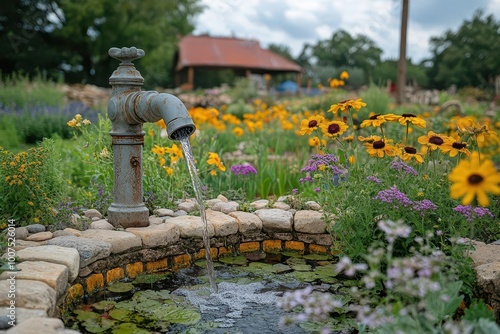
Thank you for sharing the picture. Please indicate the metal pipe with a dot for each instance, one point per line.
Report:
(128, 109)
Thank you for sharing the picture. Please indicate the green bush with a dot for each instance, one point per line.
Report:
(31, 184)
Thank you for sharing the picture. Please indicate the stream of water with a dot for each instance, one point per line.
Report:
(186, 147)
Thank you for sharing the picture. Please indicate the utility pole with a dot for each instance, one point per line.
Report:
(401, 81)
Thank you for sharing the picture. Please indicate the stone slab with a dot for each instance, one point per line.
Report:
(120, 241)
(156, 235)
(30, 294)
(90, 250)
(223, 224)
(66, 256)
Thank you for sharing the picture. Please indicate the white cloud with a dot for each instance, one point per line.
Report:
(296, 22)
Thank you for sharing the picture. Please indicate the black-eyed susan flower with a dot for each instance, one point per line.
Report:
(344, 106)
(238, 131)
(213, 159)
(333, 129)
(158, 150)
(344, 75)
(409, 153)
(453, 147)
(473, 179)
(379, 148)
(369, 139)
(391, 117)
(406, 119)
(432, 140)
(175, 153)
(308, 126)
(374, 120)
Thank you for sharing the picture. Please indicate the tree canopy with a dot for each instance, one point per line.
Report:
(72, 37)
(467, 57)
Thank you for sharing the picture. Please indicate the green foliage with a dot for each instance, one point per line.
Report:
(466, 57)
(388, 70)
(377, 101)
(18, 90)
(243, 89)
(78, 41)
(31, 184)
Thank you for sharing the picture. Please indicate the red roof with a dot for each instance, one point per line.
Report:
(206, 51)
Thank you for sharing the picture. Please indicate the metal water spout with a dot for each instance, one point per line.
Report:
(128, 108)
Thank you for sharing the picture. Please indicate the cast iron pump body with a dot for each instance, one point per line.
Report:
(128, 108)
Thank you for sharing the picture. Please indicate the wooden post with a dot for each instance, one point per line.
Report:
(400, 85)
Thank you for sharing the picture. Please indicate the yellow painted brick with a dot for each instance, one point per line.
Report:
(75, 292)
(181, 261)
(201, 253)
(271, 246)
(114, 275)
(248, 247)
(317, 249)
(296, 246)
(226, 250)
(154, 266)
(134, 269)
(94, 282)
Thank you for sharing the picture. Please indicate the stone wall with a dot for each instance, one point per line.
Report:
(59, 268)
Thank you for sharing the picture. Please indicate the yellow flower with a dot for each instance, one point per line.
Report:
(36, 220)
(344, 106)
(315, 141)
(78, 117)
(162, 161)
(72, 123)
(374, 120)
(379, 148)
(432, 140)
(472, 179)
(86, 122)
(104, 153)
(369, 139)
(308, 126)
(158, 150)
(175, 152)
(213, 172)
(169, 170)
(30, 203)
(352, 159)
(413, 119)
(238, 131)
(213, 159)
(453, 147)
(344, 75)
(151, 132)
(333, 129)
(161, 124)
(408, 153)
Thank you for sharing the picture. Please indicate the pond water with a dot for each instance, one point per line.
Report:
(249, 287)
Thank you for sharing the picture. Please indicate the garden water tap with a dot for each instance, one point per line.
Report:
(128, 108)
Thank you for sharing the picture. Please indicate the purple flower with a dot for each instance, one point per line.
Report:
(424, 205)
(294, 191)
(327, 160)
(403, 167)
(374, 179)
(317, 190)
(244, 169)
(394, 196)
(470, 213)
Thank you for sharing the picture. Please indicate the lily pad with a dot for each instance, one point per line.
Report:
(104, 305)
(317, 257)
(129, 328)
(120, 287)
(234, 260)
(292, 254)
(326, 271)
(281, 268)
(98, 325)
(150, 278)
(305, 276)
(176, 315)
(85, 315)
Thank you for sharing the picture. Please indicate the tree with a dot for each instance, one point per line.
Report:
(282, 50)
(82, 32)
(467, 57)
(344, 50)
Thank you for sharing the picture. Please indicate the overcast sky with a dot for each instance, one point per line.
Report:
(296, 22)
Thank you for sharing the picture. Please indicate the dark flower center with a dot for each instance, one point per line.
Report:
(333, 128)
(410, 150)
(312, 123)
(378, 144)
(475, 179)
(436, 140)
(409, 115)
(375, 116)
(458, 145)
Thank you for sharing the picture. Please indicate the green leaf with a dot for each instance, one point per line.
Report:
(129, 328)
(120, 287)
